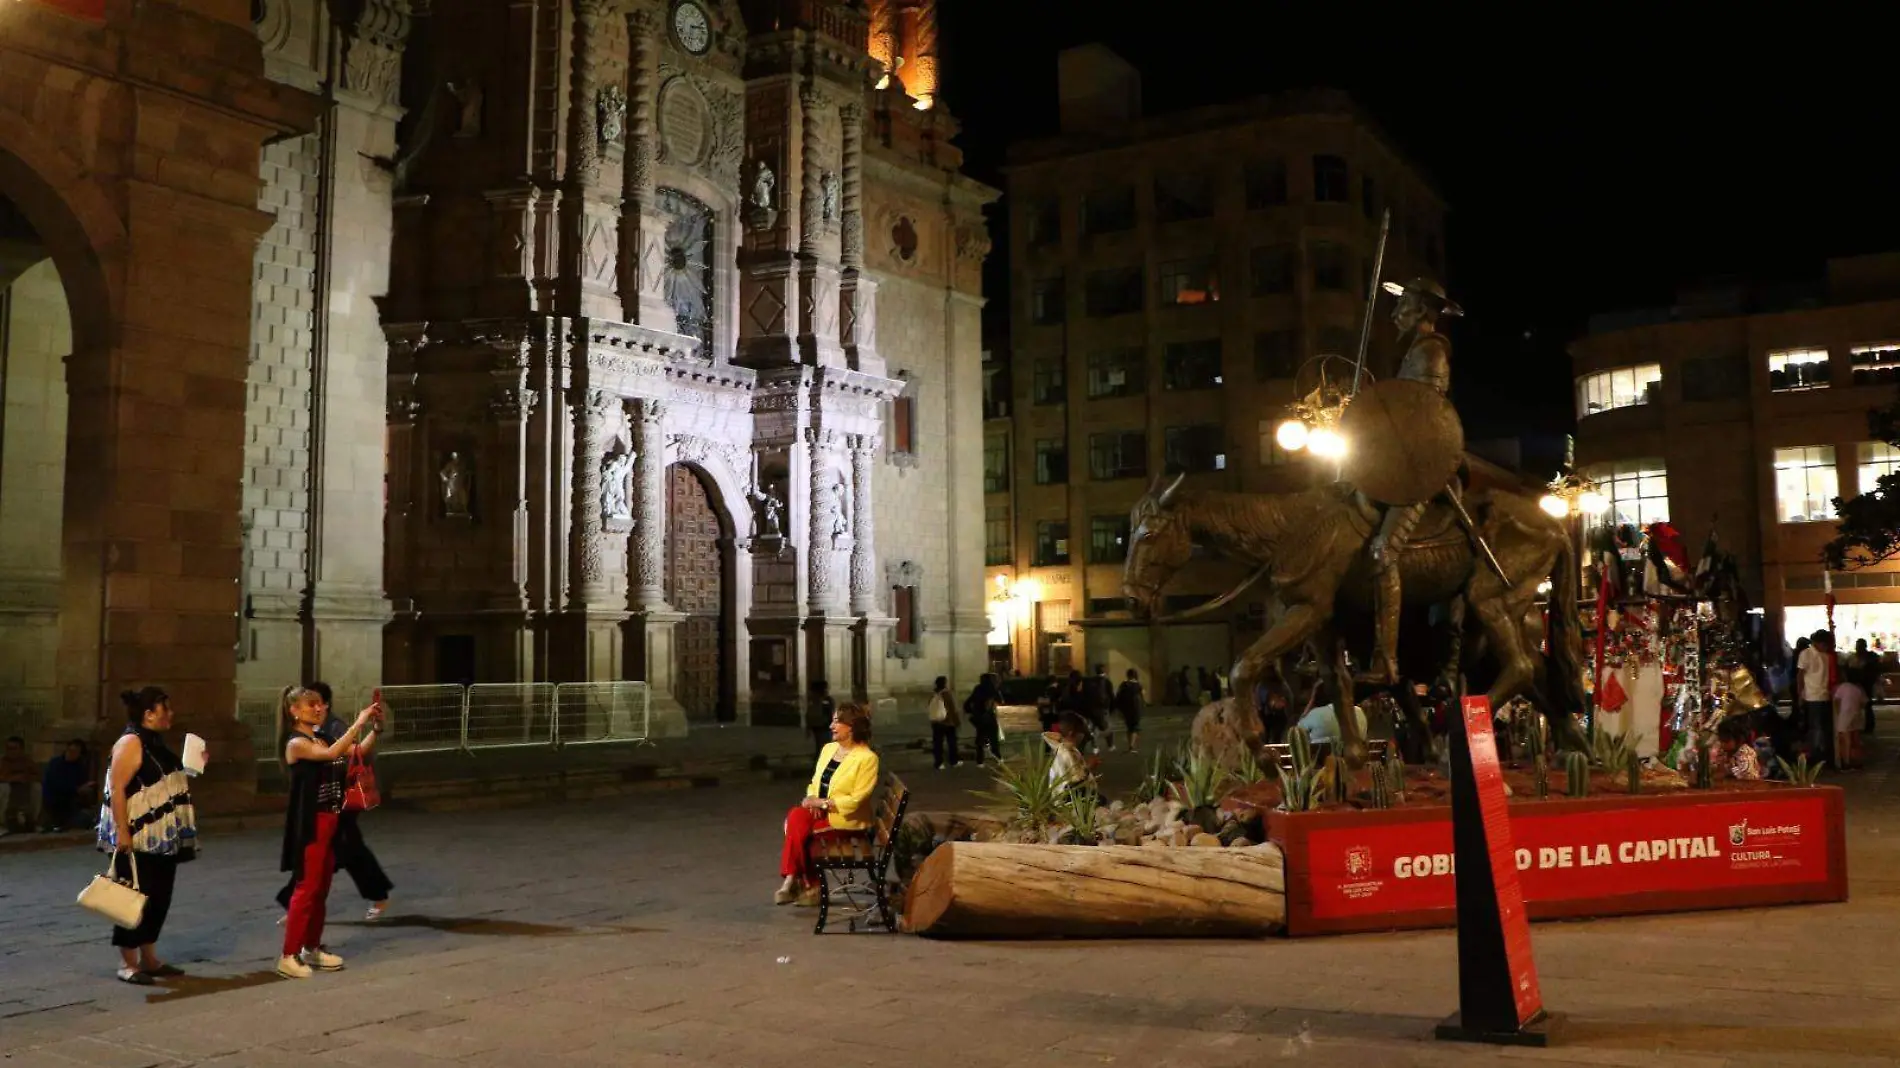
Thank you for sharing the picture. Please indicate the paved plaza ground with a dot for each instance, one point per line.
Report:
(637, 932)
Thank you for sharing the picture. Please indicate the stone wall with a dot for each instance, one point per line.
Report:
(277, 418)
(35, 336)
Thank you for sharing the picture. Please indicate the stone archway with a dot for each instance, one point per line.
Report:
(699, 585)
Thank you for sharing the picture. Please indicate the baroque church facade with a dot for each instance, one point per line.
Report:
(582, 340)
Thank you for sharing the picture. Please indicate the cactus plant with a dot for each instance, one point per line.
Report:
(1577, 772)
(1534, 733)
(1337, 778)
(1540, 775)
(1298, 790)
(1302, 745)
(1633, 764)
(1395, 774)
(1381, 789)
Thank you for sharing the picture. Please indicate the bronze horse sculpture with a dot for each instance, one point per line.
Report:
(1309, 548)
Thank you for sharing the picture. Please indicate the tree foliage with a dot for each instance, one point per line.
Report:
(1870, 523)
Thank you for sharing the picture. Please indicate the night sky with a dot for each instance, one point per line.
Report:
(1591, 179)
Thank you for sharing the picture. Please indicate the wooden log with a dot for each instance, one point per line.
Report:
(996, 890)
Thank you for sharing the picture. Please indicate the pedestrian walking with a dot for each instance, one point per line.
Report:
(944, 721)
(980, 709)
(1098, 694)
(318, 767)
(146, 820)
(1130, 702)
(353, 854)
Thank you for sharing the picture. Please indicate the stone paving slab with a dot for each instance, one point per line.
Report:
(636, 931)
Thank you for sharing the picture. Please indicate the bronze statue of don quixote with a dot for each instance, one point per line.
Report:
(1395, 539)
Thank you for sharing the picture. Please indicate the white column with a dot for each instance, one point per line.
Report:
(649, 504)
(863, 550)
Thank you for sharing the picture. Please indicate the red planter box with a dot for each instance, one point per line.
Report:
(1383, 870)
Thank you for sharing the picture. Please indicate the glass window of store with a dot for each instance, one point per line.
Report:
(1621, 387)
(1638, 490)
(1805, 483)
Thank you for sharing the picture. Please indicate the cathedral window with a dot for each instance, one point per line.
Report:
(687, 270)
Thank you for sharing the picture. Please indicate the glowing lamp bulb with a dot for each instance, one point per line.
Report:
(1592, 503)
(1554, 506)
(1291, 435)
(1326, 442)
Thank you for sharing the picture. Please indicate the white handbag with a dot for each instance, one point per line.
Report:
(122, 904)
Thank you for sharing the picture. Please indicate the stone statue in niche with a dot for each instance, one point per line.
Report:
(616, 477)
(468, 115)
(828, 188)
(760, 206)
(454, 477)
(610, 104)
(840, 517)
(770, 510)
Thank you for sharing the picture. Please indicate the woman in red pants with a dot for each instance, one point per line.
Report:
(838, 798)
(318, 766)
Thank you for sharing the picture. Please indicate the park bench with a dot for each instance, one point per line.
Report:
(855, 865)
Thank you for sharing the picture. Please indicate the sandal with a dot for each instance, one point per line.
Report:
(164, 971)
(133, 976)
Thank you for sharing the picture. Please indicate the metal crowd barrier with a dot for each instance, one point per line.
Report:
(591, 713)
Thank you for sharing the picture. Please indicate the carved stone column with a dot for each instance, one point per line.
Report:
(863, 548)
(649, 504)
(589, 246)
(642, 231)
(857, 293)
(818, 340)
(821, 593)
(652, 648)
(592, 587)
(513, 407)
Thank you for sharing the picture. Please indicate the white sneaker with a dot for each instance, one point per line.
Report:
(323, 960)
(292, 968)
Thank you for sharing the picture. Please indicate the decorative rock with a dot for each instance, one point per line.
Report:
(1205, 840)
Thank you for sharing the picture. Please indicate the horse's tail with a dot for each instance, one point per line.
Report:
(1566, 630)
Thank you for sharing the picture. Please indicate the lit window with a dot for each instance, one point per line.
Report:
(1624, 387)
(1190, 282)
(1117, 373)
(1638, 491)
(1876, 458)
(1108, 539)
(1876, 363)
(996, 548)
(1797, 369)
(1052, 543)
(995, 464)
(1806, 483)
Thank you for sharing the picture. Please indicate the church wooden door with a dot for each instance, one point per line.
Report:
(694, 586)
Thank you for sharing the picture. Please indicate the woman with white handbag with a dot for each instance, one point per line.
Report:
(147, 821)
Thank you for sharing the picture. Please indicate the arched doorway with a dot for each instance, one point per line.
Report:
(698, 570)
(35, 339)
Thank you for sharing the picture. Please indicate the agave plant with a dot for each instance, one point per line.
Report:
(1023, 785)
(1203, 782)
(1249, 770)
(1155, 783)
(1613, 750)
(1801, 773)
(1082, 811)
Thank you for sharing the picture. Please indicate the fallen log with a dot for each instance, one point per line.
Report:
(996, 890)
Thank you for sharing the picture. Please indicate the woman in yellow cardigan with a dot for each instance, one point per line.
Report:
(838, 798)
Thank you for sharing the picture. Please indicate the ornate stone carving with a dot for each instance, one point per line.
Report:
(467, 94)
(973, 242)
(863, 552)
(828, 189)
(373, 49)
(649, 502)
(768, 506)
(694, 449)
(616, 476)
(513, 403)
(761, 205)
(687, 267)
(728, 144)
(610, 106)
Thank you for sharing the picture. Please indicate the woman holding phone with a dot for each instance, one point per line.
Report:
(319, 767)
(352, 853)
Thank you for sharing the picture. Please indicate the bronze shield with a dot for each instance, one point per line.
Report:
(1404, 442)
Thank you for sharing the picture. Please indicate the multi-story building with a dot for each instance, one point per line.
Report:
(1170, 277)
(1747, 410)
